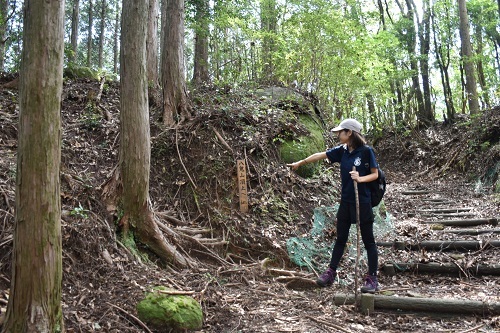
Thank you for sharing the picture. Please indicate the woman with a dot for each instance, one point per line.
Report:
(349, 154)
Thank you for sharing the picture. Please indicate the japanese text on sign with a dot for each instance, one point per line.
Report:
(242, 185)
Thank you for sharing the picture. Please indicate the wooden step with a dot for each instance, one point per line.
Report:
(457, 245)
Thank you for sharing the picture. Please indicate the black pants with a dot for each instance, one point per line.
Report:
(347, 216)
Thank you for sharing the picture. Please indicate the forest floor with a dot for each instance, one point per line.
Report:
(243, 274)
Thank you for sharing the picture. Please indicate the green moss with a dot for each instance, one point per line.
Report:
(74, 72)
(170, 311)
(304, 146)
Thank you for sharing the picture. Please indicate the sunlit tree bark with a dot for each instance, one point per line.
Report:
(467, 58)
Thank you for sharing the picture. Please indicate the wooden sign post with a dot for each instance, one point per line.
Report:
(242, 185)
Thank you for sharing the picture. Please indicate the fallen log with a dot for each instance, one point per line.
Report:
(437, 268)
(472, 232)
(456, 306)
(440, 245)
(464, 222)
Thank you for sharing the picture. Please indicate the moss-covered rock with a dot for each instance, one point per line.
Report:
(301, 147)
(175, 312)
(80, 72)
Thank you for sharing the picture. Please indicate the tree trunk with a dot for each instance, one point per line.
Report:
(89, 32)
(411, 48)
(200, 72)
(102, 33)
(424, 31)
(4, 7)
(74, 29)
(152, 44)
(480, 69)
(175, 98)
(35, 298)
(269, 22)
(443, 61)
(470, 76)
(115, 40)
(135, 148)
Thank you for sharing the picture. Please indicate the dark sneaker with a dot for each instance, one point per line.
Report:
(326, 279)
(371, 285)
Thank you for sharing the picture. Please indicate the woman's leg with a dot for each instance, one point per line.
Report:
(366, 228)
(344, 220)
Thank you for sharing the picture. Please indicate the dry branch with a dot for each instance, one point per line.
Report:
(337, 327)
(180, 158)
(132, 316)
(221, 139)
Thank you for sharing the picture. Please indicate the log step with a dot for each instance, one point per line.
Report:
(448, 215)
(440, 245)
(415, 192)
(437, 268)
(436, 201)
(444, 210)
(464, 222)
(420, 304)
(472, 232)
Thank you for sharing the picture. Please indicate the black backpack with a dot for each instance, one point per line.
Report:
(377, 187)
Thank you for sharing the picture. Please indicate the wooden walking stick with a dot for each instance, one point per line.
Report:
(357, 240)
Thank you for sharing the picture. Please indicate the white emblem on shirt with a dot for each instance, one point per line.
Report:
(357, 161)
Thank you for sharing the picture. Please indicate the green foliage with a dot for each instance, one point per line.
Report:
(339, 51)
(91, 119)
(79, 212)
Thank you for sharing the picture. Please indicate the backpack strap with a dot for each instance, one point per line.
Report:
(365, 157)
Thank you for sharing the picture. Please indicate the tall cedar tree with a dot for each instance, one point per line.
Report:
(175, 98)
(135, 148)
(470, 76)
(152, 44)
(75, 20)
(35, 301)
(200, 71)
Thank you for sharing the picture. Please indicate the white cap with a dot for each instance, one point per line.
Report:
(350, 124)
